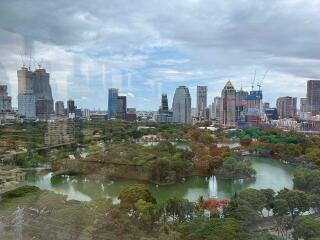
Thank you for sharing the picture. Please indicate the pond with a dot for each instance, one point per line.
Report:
(270, 174)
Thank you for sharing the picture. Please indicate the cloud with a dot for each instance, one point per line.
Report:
(146, 47)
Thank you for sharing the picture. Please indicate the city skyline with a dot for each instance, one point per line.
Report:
(89, 48)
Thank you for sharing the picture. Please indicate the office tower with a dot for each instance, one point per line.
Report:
(164, 115)
(181, 105)
(313, 96)
(86, 113)
(303, 105)
(71, 108)
(5, 100)
(26, 98)
(287, 107)
(35, 83)
(164, 103)
(254, 100)
(43, 93)
(25, 80)
(122, 107)
(131, 115)
(59, 108)
(228, 105)
(216, 108)
(207, 114)
(201, 101)
(240, 104)
(27, 105)
(112, 102)
(271, 113)
(266, 105)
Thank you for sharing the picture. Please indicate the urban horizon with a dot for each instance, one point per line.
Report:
(87, 50)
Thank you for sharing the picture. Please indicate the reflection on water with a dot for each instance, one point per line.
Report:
(270, 174)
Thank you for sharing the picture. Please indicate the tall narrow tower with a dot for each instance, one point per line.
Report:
(201, 101)
(228, 105)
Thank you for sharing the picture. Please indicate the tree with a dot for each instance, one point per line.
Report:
(306, 228)
(255, 198)
(179, 209)
(147, 212)
(269, 196)
(132, 194)
(296, 200)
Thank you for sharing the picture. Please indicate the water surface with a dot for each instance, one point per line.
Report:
(270, 174)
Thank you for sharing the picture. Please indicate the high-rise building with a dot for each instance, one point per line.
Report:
(271, 113)
(164, 103)
(27, 105)
(43, 93)
(287, 107)
(26, 98)
(25, 80)
(59, 108)
(313, 96)
(131, 115)
(240, 104)
(112, 102)
(71, 108)
(86, 113)
(164, 115)
(266, 105)
(122, 107)
(254, 100)
(216, 108)
(228, 105)
(201, 101)
(303, 105)
(181, 105)
(5, 100)
(36, 83)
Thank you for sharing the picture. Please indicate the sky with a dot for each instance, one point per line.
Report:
(146, 48)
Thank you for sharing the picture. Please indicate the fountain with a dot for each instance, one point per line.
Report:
(213, 187)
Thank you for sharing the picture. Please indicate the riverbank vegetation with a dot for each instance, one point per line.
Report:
(290, 146)
(138, 216)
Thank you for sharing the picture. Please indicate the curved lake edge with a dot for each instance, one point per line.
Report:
(270, 174)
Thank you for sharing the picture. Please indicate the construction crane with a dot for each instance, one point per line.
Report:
(259, 84)
(254, 79)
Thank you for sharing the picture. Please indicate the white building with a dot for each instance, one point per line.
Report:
(181, 105)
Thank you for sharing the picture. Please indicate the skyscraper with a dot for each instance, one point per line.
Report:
(122, 107)
(240, 104)
(303, 105)
(313, 96)
(26, 98)
(27, 105)
(287, 107)
(43, 93)
(71, 108)
(112, 102)
(59, 108)
(164, 115)
(228, 105)
(216, 108)
(201, 101)
(35, 83)
(181, 105)
(5, 100)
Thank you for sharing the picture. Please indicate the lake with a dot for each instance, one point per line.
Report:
(270, 174)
